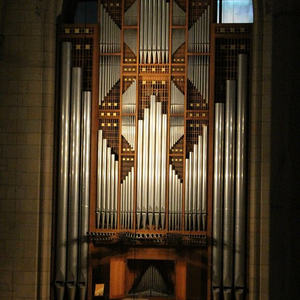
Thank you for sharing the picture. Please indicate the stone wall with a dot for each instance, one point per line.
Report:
(27, 59)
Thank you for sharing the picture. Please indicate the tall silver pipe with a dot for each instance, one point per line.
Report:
(146, 17)
(199, 182)
(74, 187)
(208, 29)
(142, 31)
(154, 31)
(132, 194)
(116, 193)
(170, 196)
(145, 166)
(158, 155)
(104, 178)
(175, 195)
(99, 178)
(163, 169)
(85, 194)
(204, 176)
(108, 185)
(191, 159)
(218, 199)
(163, 30)
(151, 158)
(112, 193)
(240, 185)
(195, 173)
(62, 195)
(150, 32)
(167, 31)
(229, 183)
(159, 36)
(139, 173)
(186, 194)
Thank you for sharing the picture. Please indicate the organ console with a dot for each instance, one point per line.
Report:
(151, 193)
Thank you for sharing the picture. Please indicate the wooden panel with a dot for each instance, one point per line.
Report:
(180, 280)
(117, 277)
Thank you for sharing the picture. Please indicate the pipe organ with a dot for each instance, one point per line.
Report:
(151, 192)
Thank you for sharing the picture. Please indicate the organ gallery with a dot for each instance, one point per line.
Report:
(152, 161)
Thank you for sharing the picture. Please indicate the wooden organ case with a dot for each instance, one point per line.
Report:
(155, 71)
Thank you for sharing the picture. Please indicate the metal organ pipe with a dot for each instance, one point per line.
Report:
(109, 75)
(196, 184)
(218, 200)
(109, 33)
(198, 74)
(229, 185)
(61, 233)
(199, 33)
(74, 182)
(151, 164)
(107, 179)
(240, 186)
(84, 197)
(204, 176)
(154, 31)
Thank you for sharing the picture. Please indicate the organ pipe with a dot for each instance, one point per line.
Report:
(218, 200)
(204, 176)
(63, 178)
(229, 184)
(151, 165)
(109, 75)
(240, 186)
(84, 197)
(196, 184)
(177, 100)
(139, 174)
(127, 200)
(74, 187)
(109, 33)
(198, 75)
(199, 33)
(107, 182)
(154, 31)
(129, 99)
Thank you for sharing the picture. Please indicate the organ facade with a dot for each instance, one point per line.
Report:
(151, 193)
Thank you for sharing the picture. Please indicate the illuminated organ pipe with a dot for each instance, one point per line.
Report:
(198, 74)
(218, 200)
(107, 182)
(199, 33)
(176, 130)
(229, 203)
(63, 174)
(151, 166)
(109, 75)
(175, 200)
(240, 186)
(109, 32)
(177, 100)
(129, 99)
(128, 130)
(74, 180)
(178, 14)
(196, 184)
(229, 186)
(84, 194)
(127, 198)
(154, 31)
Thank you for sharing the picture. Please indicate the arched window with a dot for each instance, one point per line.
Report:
(235, 11)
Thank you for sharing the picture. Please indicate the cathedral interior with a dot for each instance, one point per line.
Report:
(149, 149)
